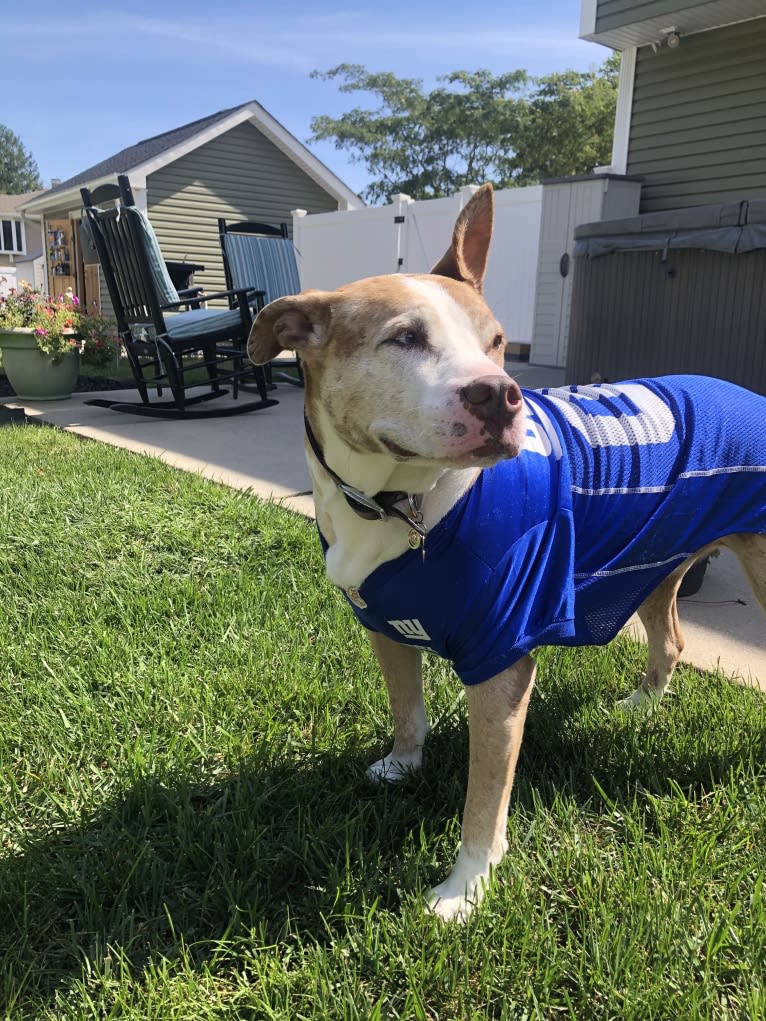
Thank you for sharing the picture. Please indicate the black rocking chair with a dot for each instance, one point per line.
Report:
(165, 346)
(261, 256)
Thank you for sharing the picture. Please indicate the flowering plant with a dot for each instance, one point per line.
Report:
(98, 338)
(52, 320)
(59, 324)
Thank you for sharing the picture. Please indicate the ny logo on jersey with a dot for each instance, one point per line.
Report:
(412, 629)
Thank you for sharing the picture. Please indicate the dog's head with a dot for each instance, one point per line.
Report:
(407, 365)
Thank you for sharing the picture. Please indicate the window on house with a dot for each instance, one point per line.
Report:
(12, 236)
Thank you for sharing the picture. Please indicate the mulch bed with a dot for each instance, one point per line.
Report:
(85, 384)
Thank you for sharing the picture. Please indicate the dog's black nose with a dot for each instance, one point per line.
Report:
(492, 398)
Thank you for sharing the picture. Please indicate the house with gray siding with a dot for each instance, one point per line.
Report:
(692, 94)
(239, 164)
(679, 287)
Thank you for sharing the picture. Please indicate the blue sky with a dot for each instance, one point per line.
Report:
(83, 80)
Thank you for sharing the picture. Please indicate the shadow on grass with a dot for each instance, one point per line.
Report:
(292, 845)
(272, 848)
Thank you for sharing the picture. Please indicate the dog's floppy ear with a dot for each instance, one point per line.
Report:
(291, 323)
(466, 259)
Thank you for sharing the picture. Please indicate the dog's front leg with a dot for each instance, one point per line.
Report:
(402, 672)
(497, 709)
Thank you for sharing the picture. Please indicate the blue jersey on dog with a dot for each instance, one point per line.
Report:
(616, 486)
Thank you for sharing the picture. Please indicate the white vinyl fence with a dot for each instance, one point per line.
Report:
(410, 237)
(30, 270)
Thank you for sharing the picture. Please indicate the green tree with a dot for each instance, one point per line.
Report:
(473, 127)
(424, 144)
(18, 170)
(566, 125)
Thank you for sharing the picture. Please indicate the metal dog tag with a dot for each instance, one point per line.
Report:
(415, 539)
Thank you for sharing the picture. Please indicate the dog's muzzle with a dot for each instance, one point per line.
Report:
(494, 400)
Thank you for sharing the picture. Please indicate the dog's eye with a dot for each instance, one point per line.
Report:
(414, 337)
(498, 341)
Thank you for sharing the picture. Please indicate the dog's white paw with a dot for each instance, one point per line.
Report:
(393, 768)
(464, 888)
(450, 905)
(642, 699)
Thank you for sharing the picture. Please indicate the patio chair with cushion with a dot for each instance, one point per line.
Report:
(117, 194)
(261, 256)
(170, 340)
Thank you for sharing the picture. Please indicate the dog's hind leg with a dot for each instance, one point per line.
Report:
(665, 640)
(659, 614)
(402, 671)
(750, 550)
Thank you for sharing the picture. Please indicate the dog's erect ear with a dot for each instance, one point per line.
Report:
(466, 259)
(292, 323)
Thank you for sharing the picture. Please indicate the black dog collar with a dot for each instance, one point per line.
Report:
(371, 508)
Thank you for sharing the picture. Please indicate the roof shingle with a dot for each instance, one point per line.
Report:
(134, 155)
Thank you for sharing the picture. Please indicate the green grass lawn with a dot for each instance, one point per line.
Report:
(186, 712)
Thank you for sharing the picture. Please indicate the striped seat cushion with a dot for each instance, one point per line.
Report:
(267, 264)
(202, 322)
(166, 292)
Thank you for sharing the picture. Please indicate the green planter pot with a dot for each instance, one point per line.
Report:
(33, 375)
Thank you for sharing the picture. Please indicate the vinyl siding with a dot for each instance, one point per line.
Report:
(623, 23)
(698, 131)
(240, 176)
(617, 13)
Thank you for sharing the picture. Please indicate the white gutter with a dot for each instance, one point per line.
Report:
(588, 11)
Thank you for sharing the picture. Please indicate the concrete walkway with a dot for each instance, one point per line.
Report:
(263, 452)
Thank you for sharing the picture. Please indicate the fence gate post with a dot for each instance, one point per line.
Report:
(399, 204)
(298, 215)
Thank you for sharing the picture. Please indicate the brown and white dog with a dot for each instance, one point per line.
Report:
(406, 397)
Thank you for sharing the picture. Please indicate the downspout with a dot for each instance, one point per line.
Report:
(624, 111)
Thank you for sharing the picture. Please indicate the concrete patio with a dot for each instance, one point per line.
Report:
(263, 452)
